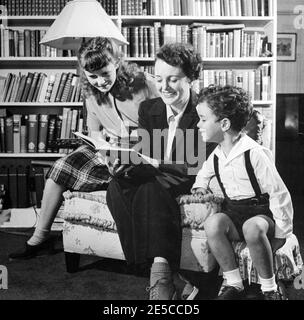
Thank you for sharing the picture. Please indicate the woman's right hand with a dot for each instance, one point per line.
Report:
(202, 191)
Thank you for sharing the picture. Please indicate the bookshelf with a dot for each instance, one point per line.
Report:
(154, 22)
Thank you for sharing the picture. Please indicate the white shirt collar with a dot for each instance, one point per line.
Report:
(245, 143)
(170, 113)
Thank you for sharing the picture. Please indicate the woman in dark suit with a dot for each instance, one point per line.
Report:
(143, 203)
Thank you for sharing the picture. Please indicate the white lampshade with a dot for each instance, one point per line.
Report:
(81, 19)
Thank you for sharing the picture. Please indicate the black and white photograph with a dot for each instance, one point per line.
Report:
(286, 46)
(150, 150)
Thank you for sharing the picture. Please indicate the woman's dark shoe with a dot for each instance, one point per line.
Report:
(272, 295)
(230, 293)
(28, 252)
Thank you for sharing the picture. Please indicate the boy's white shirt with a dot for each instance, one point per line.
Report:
(237, 185)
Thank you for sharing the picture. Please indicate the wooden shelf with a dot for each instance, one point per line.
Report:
(41, 104)
(38, 62)
(129, 19)
(262, 103)
(248, 21)
(139, 59)
(32, 155)
(34, 20)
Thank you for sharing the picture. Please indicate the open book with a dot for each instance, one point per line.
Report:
(103, 145)
(100, 144)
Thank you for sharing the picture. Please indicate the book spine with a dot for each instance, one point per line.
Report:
(32, 133)
(61, 86)
(49, 88)
(42, 132)
(27, 86)
(13, 188)
(9, 140)
(51, 135)
(16, 132)
(2, 134)
(23, 135)
(23, 186)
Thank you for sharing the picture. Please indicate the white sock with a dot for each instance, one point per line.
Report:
(160, 259)
(268, 284)
(38, 237)
(234, 279)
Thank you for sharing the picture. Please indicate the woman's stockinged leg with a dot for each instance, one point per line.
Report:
(51, 202)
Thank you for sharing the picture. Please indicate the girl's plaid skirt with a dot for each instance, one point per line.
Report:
(82, 170)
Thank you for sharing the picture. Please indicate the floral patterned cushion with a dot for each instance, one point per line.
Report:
(91, 209)
(287, 263)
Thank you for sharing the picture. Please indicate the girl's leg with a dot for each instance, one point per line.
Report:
(51, 202)
(38, 243)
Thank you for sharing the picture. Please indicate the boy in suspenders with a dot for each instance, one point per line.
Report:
(257, 206)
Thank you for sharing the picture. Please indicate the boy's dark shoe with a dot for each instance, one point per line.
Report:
(28, 252)
(272, 295)
(230, 293)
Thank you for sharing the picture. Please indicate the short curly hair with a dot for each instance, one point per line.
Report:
(97, 53)
(183, 56)
(228, 102)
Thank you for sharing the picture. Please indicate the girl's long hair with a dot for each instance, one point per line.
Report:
(98, 53)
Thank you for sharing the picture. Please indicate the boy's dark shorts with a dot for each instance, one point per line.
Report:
(239, 211)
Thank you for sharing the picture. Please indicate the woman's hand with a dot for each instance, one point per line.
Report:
(115, 168)
(277, 243)
(151, 161)
(202, 191)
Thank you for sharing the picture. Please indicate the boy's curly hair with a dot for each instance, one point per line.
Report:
(228, 102)
(183, 56)
(98, 53)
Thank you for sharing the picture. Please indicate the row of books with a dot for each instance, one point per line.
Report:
(40, 87)
(48, 7)
(210, 40)
(257, 82)
(16, 182)
(33, 7)
(149, 7)
(24, 182)
(36, 133)
(233, 41)
(25, 43)
(197, 7)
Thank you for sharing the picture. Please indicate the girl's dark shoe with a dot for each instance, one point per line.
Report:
(28, 252)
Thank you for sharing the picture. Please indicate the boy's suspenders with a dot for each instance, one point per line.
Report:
(250, 172)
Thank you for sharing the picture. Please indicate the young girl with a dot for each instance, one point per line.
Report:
(257, 206)
(113, 91)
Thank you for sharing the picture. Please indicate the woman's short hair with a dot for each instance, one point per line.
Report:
(183, 56)
(228, 102)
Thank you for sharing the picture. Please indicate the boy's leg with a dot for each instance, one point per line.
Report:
(257, 231)
(221, 231)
